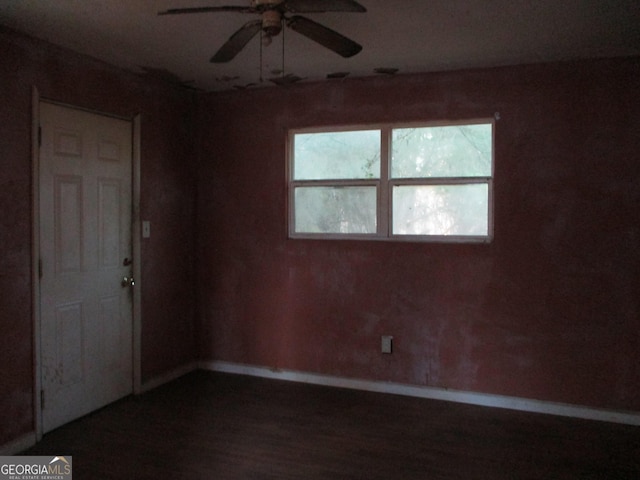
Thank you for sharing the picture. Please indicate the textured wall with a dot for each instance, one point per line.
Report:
(549, 310)
(167, 201)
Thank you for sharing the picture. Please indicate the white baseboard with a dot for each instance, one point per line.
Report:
(480, 399)
(18, 445)
(168, 377)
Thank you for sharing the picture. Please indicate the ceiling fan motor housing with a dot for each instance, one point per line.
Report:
(271, 22)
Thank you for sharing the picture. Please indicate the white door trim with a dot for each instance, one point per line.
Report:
(36, 99)
(35, 259)
(136, 232)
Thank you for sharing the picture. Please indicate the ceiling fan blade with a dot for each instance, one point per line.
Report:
(174, 11)
(318, 6)
(237, 41)
(324, 36)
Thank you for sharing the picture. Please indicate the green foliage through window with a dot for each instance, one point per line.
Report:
(416, 182)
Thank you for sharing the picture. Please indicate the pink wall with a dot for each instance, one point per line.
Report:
(549, 310)
(167, 201)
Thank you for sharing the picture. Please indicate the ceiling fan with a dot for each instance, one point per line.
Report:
(273, 14)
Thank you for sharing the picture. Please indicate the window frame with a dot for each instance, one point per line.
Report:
(385, 184)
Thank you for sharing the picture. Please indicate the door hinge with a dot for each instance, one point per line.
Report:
(40, 268)
(39, 136)
(42, 399)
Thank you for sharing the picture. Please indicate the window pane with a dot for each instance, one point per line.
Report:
(335, 210)
(337, 155)
(441, 209)
(451, 151)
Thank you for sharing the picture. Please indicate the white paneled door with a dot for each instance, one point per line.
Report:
(85, 254)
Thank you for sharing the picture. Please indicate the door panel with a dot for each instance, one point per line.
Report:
(67, 204)
(85, 235)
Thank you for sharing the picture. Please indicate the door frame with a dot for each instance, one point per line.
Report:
(136, 230)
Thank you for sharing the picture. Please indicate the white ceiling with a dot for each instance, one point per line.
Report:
(410, 35)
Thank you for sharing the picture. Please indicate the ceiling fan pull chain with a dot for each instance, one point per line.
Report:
(283, 30)
(261, 47)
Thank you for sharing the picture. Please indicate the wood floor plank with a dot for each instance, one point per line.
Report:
(210, 425)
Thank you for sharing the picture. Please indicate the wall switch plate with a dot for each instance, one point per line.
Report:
(146, 229)
(387, 344)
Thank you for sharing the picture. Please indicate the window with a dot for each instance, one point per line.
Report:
(401, 182)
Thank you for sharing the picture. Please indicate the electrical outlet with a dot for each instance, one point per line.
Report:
(387, 344)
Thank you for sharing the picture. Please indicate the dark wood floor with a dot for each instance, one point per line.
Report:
(217, 426)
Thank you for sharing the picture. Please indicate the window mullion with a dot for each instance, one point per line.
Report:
(438, 181)
(384, 197)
